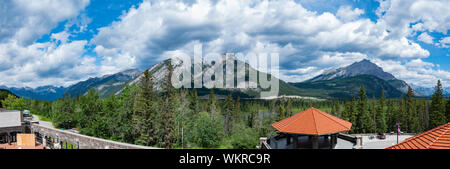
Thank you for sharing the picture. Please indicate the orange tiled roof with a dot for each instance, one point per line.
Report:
(313, 122)
(437, 138)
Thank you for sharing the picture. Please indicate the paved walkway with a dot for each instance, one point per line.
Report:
(43, 123)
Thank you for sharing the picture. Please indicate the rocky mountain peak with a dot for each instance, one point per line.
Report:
(131, 72)
(363, 67)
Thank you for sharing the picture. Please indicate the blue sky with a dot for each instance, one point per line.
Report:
(61, 42)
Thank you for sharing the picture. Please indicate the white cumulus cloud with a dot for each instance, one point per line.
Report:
(23, 61)
(304, 38)
(308, 42)
(424, 37)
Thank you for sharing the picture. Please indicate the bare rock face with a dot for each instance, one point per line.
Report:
(160, 70)
(364, 67)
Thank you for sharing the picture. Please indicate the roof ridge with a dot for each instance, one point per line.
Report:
(314, 119)
(322, 113)
(292, 121)
(298, 124)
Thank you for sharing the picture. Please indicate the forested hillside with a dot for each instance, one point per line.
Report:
(346, 88)
(3, 95)
(173, 118)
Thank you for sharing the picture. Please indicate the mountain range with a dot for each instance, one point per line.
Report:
(364, 67)
(159, 71)
(48, 93)
(105, 85)
(428, 91)
(345, 82)
(341, 82)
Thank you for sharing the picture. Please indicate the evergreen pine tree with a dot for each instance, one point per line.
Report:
(211, 105)
(373, 113)
(402, 115)
(237, 110)
(420, 110)
(365, 121)
(412, 116)
(354, 113)
(111, 108)
(289, 108)
(228, 114)
(281, 110)
(347, 113)
(426, 115)
(335, 108)
(90, 105)
(437, 107)
(338, 109)
(183, 117)
(410, 110)
(145, 115)
(390, 112)
(252, 115)
(194, 102)
(272, 107)
(168, 117)
(381, 114)
(126, 128)
(447, 110)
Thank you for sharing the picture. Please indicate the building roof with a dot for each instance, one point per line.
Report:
(312, 122)
(27, 140)
(10, 119)
(437, 138)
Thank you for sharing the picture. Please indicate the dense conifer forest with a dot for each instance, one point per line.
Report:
(178, 118)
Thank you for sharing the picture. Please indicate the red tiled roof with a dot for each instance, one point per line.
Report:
(437, 138)
(313, 122)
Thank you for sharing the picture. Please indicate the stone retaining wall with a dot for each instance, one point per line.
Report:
(81, 141)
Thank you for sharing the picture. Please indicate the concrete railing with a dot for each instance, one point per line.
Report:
(347, 137)
(356, 140)
(79, 140)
